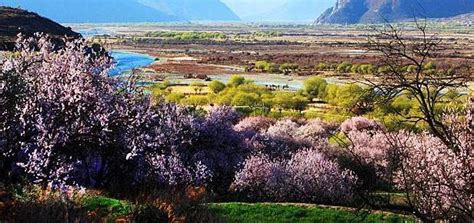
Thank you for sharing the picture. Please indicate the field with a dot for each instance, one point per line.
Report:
(279, 213)
(279, 57)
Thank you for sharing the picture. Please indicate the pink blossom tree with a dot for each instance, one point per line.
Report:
(306, 177)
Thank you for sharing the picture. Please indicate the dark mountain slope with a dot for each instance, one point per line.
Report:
(377, 11)
(14, 21)
(93, 11)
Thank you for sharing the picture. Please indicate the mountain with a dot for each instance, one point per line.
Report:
(14, 21)
(93, 11)
(126, 11)
(202, 10)
(379, 11)
(295, 10)
(279, 10)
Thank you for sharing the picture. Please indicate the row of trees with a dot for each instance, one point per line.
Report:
(240, 92)
(344, 67)
(186, 35)
(268, 67)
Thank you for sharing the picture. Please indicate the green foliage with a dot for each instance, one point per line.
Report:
(315, 87)
(174, 97)
(321, 67)
(344, 67)
(275, 213)
(261, 65)
(245, 99)
(186, 35)
(429, 66)
(289, 101)
(197, 84)
(452, 94)
(384, 70)
(104, 205)
(216, 86)
(411, 68)
(287, 67)
(235, 81)
(195, 100)
(344, 96)
(266, 34)
(265, 66)
(366, 69)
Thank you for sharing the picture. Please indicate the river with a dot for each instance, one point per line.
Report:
(126, 61)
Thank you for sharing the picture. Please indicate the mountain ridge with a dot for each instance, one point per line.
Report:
(210, 10)
(379, 11)
(14, 21)
(124, 11)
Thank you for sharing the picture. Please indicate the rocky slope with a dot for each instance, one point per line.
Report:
(378, 11)
(14, 21)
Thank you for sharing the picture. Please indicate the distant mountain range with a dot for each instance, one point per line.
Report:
(193, 10)
(379, 11)
(14, 21)
(122, 11)
(279, 10)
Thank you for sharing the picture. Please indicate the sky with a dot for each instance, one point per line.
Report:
(248, 9)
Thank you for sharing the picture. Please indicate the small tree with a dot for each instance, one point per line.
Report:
(315, 87)
(216, 86)
(419, 81)
(236, 80)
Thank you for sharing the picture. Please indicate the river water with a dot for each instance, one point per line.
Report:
(126, 61)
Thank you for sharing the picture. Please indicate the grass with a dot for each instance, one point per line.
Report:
(105, 205)
(189, 89)
(279, 213)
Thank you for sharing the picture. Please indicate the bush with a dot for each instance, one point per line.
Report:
(315, 87)
(258, 124)
(216, 86)
(306, 177)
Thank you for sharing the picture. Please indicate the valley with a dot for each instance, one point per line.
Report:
(238, 47)
(236, 111)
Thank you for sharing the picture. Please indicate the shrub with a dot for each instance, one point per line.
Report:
(314, 131)
(256, 124)
(283, 129)
(438, 178)
(216, 86)
(306, 177)
(235, 81)
(315, 87)
(359, 124)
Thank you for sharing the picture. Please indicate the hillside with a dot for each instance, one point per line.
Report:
(378, 11)
(126, 11)
(207, 10)
(14, 21)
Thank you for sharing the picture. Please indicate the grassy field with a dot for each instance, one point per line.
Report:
(279, 213)
(108, 208)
